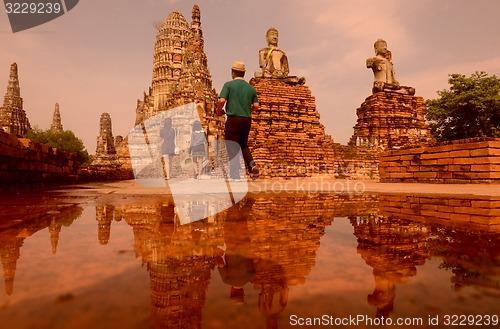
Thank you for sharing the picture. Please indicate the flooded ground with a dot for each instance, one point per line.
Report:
(270, 261)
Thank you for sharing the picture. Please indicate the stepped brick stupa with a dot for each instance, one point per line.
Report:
(287, 138)
(392, 116)
(13, 119)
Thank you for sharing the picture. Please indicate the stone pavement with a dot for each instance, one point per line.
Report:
(289, 186)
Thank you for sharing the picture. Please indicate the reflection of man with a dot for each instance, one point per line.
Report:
(240, 99)
(236, 267)
(272, 60)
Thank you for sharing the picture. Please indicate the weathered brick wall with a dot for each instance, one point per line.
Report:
(475, 160)
(388, 120)
(107, 172)
(25, 161)
(355, 162)
(470, 211)
(287, 138)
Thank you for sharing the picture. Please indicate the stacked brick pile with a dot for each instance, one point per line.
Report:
(287, 138)
(462, 161)
(25, 161)
(480, 212)
(390, 120)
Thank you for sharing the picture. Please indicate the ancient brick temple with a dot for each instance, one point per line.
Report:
(56, 120)
(105, 153)
(180, 72)
(180, 76)
(389, 120)
(13, 119)
(392, 117)
(287, 138)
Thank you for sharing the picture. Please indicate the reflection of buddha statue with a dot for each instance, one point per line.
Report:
(274, 62)
(393, 248)
(383, 71)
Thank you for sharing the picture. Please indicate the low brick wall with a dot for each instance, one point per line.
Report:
(355, 162)
(107, 173)
(466, 211)
(25, 161)
(474, 160)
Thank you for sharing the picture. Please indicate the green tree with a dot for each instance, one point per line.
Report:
(470, 108)
(64, 141)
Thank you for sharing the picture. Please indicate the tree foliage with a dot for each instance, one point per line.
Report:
(64, 141)
(470, 108)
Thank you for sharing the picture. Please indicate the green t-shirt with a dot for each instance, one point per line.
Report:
(240, 96)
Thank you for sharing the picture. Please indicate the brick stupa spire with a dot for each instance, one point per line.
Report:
(105, 153)
(13, 118)
(56, 125)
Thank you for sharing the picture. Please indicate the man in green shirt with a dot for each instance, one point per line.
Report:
(240, 99)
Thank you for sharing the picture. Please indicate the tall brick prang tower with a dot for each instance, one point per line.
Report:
(180, 73)
(13, 118)
(180, 77)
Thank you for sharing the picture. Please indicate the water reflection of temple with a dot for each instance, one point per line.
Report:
(393, 248)
(275, 240)
(179, 258)
(268, 243)
(49, 217)
(286, 233)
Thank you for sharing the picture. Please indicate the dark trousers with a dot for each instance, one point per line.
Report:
(237, 130)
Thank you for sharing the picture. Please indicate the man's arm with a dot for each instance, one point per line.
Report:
(220, 105)
(255, 106)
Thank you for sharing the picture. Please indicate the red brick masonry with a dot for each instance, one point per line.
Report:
(474, 160)
(467, 211)
(25, 161)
